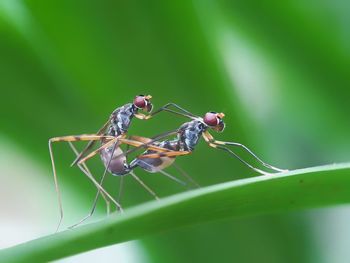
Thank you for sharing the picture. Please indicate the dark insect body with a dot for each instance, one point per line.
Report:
(188, 136)
(159, 153)
(111, 135)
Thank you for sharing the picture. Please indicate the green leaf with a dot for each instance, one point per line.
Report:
(298, 189)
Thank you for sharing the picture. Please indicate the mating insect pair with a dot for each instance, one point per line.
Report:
(160, 152)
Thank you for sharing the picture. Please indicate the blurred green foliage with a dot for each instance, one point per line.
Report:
(279, 70)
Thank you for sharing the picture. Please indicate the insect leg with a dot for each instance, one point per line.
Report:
(137, 144)
(164, 154)
(182, 112)
(144, 185)
(254, 155)
(83, 167)
(212, 140)
(121, 184)
(234, 154)
(147, 140)
(164, 173)
(98, 192)
(185, 174)
(67, 139)
(83, 137)
(145, 145)
(93, 153)
(91, 143)
(56, 185)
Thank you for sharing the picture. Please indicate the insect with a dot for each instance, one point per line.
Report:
(114, 158)
(188, 136)
(161, 154)
(111, 135)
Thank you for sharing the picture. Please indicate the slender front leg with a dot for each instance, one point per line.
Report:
(147, 140)
(164, 154)
(149, 147)
(211, 144)
(93, 153)
(83, 137)
(163, 173)
(212, 140)
(125, 141)
(144, 185)
(71, 138)
(91, 143)
(58, 192)
(101, 183)
(145, 145)
(83, 167)
(185, 174)
(166, 107)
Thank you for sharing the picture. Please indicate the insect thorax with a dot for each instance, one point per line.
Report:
(121, 119)
(119, 124)
(190, 133)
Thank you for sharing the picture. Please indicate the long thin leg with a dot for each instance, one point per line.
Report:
(122, 140)
(147, 140)
(82, 137)
(212, 140)
(105, 172)
(98, 192)
(254, 155)
(120, 193)
(185, 174)
(172, 177)
(121, 182)
(145, 145)
(115, 141)
(83, 167)
(100, 188)
(88, 216)
(149, 147)
(183, 112)
(93, 153)
(91, 143)
(68, 139)
(144, 185)
(235, 155)
(59, 197)
(164, 154)
(178, 107)
(165, 173)
(239, 158)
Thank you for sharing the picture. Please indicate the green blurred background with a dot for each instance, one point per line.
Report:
(278, 70)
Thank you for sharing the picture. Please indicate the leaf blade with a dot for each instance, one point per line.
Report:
(298, 189)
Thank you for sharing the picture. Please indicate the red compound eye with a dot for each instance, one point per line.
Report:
(140, 102)
(211, 119)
